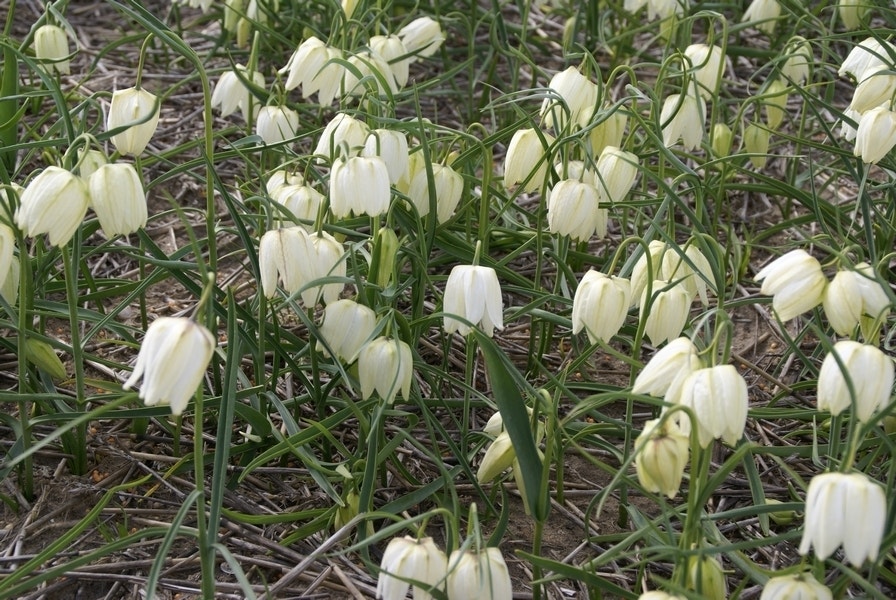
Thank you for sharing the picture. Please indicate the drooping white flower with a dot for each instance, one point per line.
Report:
(276, 124)
(138, 110)
(795, 282)
(448, 185)
(579, 95)
(718, 397)
(312, 66)
(231, 92)
(617, 171)
(395, 53)
(707, 63)
(473, 293)
(666, 371)
(875, 135)
(762, 14)
(346, 327)
(855, 297)
(51, 48)
(870, 371)
(422, 36)
(359, 185)
(392, 147)
(482, 575)
(368, 72)
(118, 199)
(407, 558)
(526, 160)
(876, 89)
(54, 203)
(608, 130)
(666, 311)
(344, 135)
(386, 365)
(683, 117)
(797, 586)
(296, 258)
(867, 57)
(171, 362)
(574, 210)
(600, 305)
(848, 509)
(301, 201)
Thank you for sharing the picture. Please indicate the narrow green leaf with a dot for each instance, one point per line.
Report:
(516, 421)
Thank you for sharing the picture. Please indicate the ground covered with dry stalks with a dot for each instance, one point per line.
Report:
(289, 471)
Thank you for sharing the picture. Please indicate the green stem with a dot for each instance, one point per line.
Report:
(536, 550)
(468, 385)
(690, 533)
(206, 548)
(70, 260)
(26, 471)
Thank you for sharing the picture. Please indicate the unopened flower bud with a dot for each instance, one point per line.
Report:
(705, 576)
(775, 100)
(721, 140)
(852, 13)
(661, 456)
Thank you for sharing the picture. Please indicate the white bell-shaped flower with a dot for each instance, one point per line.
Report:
(474, 294)
(172, 361)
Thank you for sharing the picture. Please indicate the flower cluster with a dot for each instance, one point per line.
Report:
(577, 192)
(419, 563)
(853, 298)
(318, 68)
(715, 396)
(55, 202)
(870, 65)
